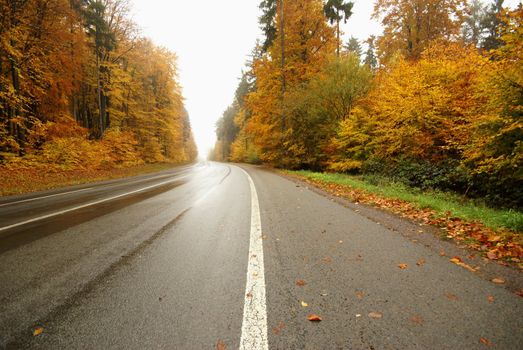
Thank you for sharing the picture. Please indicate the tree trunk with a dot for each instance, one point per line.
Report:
(283, 81)
(99, 88)
(338, 34)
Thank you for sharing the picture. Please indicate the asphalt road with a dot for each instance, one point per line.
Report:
(201, 258)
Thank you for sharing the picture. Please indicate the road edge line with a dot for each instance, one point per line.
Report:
(86, 205)
(254, 324)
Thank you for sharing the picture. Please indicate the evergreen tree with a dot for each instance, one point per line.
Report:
(492, 23)
(473, 26)
(370, 56)
(354, 47)
(268, 22)
(335, 11)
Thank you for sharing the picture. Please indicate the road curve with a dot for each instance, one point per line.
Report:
(172, 261)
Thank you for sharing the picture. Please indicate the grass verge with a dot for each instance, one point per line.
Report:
(497, 232)
(22, 181)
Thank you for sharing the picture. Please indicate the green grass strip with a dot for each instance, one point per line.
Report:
(441, 202)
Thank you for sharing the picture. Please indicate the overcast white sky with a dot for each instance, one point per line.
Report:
(213, 40)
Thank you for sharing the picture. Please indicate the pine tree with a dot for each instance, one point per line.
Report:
(335, 11)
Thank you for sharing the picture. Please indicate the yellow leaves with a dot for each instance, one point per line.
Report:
(498, 280)
(220, 345)
(37, 331)
(402, 266)
(457, 260)
(304, 304)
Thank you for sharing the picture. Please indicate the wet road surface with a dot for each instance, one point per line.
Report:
(178, 260)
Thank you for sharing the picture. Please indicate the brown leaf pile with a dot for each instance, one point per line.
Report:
(504, 245)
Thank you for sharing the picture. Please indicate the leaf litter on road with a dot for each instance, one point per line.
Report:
(402, 266)
(451, 296)
(300, 283)
(37, 331)
(498, 280)
(375, 315)
(485, 341)
(496, 244)
(314, 318)
(417, 319)
(457, 260)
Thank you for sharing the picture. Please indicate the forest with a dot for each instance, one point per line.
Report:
(80, 88)
(434, 102)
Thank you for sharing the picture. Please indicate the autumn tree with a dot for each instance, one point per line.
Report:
(309, 42)
(495, 155)
(70, 72)
(36, 74)
(320, 105)
(411, 25)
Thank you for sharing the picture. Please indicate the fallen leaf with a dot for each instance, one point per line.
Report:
(451, 296)
(402, 266)
(490, 299)
(37, 331)
(492, 255)
(494, 239)
(249, 295)
(456, 260)
(300, 283)
(485, 341)
(327, 260)
(314, 318)
(304, 304)
(277, 330)
(221, 345)
(442, 253)
(360, 295)
(417, 319)
(420, 262)
(498, 280)
(375, 315)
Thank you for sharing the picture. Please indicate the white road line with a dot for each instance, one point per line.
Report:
(87, 205)
(42, 197)
(254, 325)
(85, 189)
